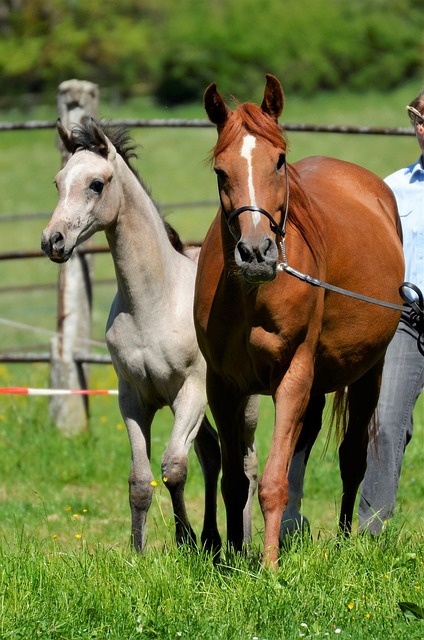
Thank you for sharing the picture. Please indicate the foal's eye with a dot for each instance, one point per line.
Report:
(97, 186)
(281, 161)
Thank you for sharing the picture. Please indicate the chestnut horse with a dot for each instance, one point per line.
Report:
(150, 332)
(264, 331)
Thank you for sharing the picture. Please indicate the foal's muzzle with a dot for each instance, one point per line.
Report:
(54, 247)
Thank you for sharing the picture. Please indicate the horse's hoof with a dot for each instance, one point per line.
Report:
(211, 542)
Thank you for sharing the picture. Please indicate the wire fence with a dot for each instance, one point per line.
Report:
(199, 123)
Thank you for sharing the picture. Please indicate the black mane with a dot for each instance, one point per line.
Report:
(84, 137)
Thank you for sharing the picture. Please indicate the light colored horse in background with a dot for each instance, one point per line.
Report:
(150, 332)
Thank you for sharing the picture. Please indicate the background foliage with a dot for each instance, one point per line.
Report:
(173, 50)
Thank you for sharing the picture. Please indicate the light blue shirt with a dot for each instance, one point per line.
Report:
(408, 186)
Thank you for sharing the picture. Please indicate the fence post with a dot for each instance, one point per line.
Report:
(76, 99)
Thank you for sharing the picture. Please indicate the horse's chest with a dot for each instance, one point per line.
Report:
(147, 356)
(126, 347)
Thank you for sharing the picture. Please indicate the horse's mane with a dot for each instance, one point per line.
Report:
(84, 137)
(250, 117)
(254, 120)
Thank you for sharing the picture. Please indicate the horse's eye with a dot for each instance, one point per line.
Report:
(97, 186)
(220, 173)
(281, 161)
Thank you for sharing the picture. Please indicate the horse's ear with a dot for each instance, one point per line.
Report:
(66, 136)
(215, 106)
(273, 102)
(103, 145)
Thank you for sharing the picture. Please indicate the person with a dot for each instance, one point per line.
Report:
(403, 371)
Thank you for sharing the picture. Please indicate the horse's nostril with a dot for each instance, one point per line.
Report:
(57, 240)
(245, 252)
(266, 249)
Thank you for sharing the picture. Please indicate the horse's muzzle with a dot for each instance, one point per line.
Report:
(257, 263)
(54, 247)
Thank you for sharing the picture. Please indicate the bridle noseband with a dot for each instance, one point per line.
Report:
(278, 229)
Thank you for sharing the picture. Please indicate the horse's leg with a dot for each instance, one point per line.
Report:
(138, 421)
(250, 462)
(229, 411)
(291, 401)
(362, 401)
(292, 519)
(206, 446)
(188, 407)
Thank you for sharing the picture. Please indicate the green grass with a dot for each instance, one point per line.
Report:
(66, 566)
(67, 569)
(350, 590)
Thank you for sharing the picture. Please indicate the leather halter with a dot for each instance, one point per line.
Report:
(275, 227)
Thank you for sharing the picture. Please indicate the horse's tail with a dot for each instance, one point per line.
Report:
(340, 417)
(340, 414)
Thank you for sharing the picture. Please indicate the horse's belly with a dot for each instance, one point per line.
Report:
(347, 351)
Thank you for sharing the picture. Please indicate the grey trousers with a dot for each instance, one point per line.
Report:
(402, 383)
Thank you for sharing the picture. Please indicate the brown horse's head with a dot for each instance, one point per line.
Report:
(250, 162)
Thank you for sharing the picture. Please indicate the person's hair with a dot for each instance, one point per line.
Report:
(418, 102)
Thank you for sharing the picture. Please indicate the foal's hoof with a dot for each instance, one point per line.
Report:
(186, 538)
(293, 527)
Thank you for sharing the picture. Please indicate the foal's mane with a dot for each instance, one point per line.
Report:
(84, 137)
(254, 120)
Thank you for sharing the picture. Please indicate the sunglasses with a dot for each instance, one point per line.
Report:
(415, 116)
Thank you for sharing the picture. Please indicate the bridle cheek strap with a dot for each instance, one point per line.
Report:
(275, 227)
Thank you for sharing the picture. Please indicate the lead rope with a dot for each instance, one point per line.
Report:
(415, 304)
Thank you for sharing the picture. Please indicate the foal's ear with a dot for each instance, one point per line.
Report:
(273, 101)
(101, 141)
(66, 136)
(215, 106)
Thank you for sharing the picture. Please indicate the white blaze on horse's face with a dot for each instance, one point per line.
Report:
(88, 202)
(249, 143)
(84, 184)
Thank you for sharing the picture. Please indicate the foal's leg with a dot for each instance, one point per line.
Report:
(362, 401)
(188, 408)
(206, 446)
(138, 421)
(292, 519)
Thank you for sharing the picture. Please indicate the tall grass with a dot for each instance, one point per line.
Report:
(360, 589)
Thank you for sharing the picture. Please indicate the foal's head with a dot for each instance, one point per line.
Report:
(249, 160)
(89, 198)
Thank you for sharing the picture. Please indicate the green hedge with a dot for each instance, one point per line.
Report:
(173, 50)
